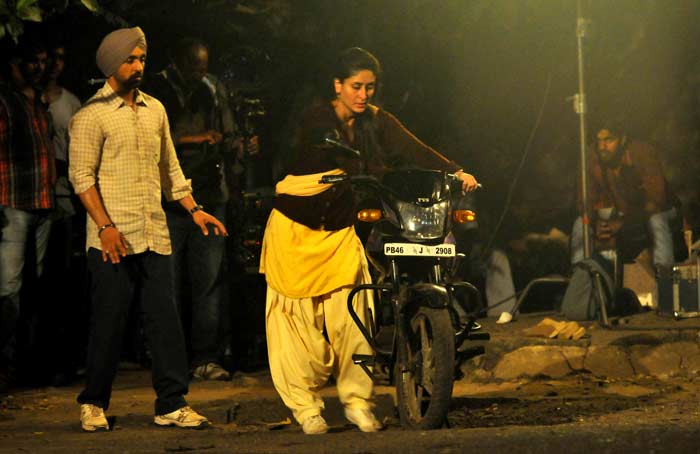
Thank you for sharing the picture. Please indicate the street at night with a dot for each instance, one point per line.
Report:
(577, 414)
(202, 192)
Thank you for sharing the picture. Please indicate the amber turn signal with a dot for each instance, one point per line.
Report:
(463, 216)
(369, 215)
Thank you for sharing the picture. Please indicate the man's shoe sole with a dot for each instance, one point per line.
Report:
(215, 378)
(170, 423)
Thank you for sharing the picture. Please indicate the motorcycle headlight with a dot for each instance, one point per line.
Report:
(423, 223)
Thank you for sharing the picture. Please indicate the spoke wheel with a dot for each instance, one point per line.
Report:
(424, 386)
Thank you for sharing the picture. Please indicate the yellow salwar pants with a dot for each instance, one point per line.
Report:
(309, 275)
(302, 360)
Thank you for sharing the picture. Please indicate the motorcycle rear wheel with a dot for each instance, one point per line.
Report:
(424, 389)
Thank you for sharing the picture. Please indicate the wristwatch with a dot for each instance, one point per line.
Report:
(196, 208)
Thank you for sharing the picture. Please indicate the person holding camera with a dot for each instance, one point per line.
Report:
(203, 130)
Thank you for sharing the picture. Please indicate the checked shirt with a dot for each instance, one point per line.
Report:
(128, 155)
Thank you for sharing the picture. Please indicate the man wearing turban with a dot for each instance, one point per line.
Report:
(121, 159)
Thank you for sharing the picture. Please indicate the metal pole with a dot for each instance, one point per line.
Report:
(580, 108)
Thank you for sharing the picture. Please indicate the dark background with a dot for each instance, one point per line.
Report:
(469, 77)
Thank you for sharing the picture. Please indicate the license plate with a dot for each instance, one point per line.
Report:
(411, 249)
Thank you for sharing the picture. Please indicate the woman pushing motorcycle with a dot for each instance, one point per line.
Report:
(311, 255)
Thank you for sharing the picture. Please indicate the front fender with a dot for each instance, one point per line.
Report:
(429, 295)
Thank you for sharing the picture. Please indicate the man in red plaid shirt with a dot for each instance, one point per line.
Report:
(27, 177)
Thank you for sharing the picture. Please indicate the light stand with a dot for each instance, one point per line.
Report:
(579, 99)
(580, 109)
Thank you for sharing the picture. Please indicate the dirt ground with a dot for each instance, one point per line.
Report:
(248, 416)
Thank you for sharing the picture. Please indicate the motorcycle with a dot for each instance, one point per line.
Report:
(422, 326)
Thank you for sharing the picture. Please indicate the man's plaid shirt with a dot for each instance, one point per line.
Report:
(130, 158)
(27, 161)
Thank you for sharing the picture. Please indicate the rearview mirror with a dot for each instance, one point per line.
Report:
(332, 138)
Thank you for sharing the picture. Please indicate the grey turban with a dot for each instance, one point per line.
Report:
(116, 48)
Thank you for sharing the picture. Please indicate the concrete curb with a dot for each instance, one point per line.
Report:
(644, 345)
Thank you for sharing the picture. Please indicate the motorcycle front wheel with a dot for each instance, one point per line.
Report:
(424, 388)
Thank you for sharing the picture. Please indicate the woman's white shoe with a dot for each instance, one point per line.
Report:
(314, 425)
(364, 419)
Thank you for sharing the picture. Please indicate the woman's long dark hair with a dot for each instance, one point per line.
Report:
(349, 62)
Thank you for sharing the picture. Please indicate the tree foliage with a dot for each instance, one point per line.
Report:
(468, 77)
(14, 13)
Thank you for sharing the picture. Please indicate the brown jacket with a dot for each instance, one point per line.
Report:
(334, 209)
(637, 187)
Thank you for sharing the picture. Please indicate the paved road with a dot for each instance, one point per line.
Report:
(577, 414)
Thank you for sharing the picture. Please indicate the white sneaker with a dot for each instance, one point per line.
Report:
(314, 425)
(183, 417)
(211, 371)
(363, 418)
(92, 418)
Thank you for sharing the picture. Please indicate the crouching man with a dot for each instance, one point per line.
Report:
(630, 198)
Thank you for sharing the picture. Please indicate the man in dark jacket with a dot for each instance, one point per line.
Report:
(629, 197)
(203, 129)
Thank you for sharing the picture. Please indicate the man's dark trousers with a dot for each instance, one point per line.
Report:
(113, 290)
(198, 262)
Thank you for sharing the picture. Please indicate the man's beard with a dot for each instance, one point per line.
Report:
(132, 82)
(609, 159)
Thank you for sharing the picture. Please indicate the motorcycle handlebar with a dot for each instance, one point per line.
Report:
(332, 137)
(332, 179)
(368, 179)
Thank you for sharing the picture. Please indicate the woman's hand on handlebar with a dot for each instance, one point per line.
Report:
(469, 183)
